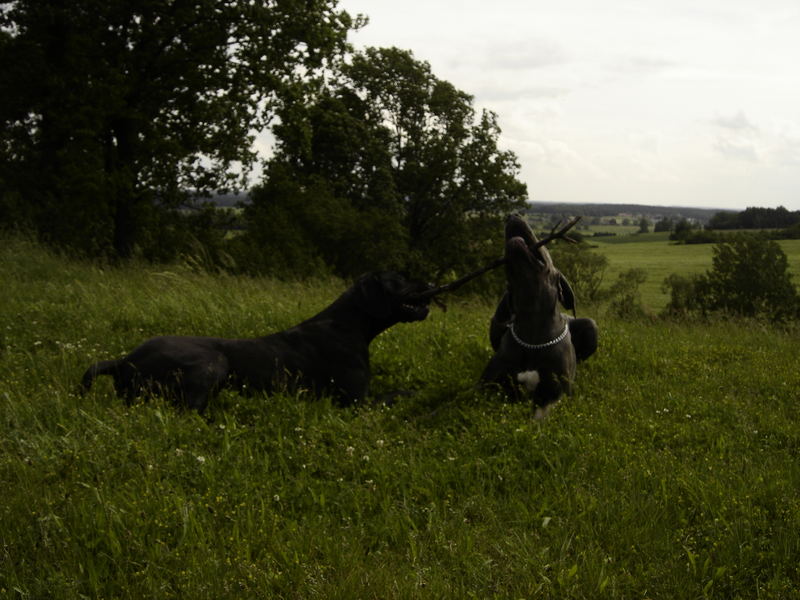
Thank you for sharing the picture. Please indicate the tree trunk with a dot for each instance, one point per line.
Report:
(119, 170)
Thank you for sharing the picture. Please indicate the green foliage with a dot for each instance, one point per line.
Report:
(682, 290)
(583, 268)
(664, 224)
(113, 112)
(682, 229)
(624, 297)
(749, 277)
(700, 236)
(296, 231)
(755, 218)
(409, 173)
(671, 473)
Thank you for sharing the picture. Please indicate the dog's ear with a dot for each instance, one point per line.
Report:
(372, 296)
(565, 293)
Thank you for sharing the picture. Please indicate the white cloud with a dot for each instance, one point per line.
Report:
(600, 100)
(523, 54)
(737, 122)
(786, 151)
(736, 148)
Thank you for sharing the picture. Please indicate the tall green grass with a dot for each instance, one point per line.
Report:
(671, 473)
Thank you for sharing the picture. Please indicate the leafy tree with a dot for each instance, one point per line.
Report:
(113, 111)
(399, 147)
(665, 224)
(453, 182)
(644, 225)
(681, 230)
(724, 220)
(328, 193)
(749, 277)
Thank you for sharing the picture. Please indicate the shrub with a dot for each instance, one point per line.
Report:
(749, 277)
(625, 298)
(583, 269)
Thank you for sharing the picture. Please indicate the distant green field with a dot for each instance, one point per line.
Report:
(619, 230)
(630, 237)
(660, 258)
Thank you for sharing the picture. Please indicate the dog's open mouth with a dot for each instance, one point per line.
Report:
(414, 312)
(415, 305)
(517, 249)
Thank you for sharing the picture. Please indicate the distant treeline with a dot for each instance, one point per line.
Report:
(772, 223)
(654, 213)
(755, 218)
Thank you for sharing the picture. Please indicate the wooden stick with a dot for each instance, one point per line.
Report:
(454, 285)
(561, 234)
(558, 235)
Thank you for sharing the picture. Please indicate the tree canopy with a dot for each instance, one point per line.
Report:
(403, 167)
(112, 110)
(115, 115)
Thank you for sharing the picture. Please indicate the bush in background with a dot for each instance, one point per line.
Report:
(749, 277)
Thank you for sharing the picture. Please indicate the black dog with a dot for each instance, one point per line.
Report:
(535, 344)
(326, 354)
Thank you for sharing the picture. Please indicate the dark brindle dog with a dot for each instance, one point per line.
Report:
(535, 344)
(326, 354)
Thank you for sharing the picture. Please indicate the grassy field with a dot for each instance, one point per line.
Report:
(658, 257)
(671, 473)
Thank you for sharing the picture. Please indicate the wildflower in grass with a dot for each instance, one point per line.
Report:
(201, 459)
(350, 450)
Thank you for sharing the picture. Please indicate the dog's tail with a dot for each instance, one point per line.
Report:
(104, 367)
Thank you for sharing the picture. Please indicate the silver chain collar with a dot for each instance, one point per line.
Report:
(528, 346)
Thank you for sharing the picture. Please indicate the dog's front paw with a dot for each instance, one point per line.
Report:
(530, 379)
(541, 412)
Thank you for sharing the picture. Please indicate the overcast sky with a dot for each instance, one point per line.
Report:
(673, 102)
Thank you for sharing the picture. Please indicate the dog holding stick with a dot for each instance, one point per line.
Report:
(326, 354)
(536, 345)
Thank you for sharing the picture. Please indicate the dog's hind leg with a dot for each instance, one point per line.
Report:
(584, 334)
(201, 384)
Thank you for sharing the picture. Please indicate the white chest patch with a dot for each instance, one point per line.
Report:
(530, 379)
